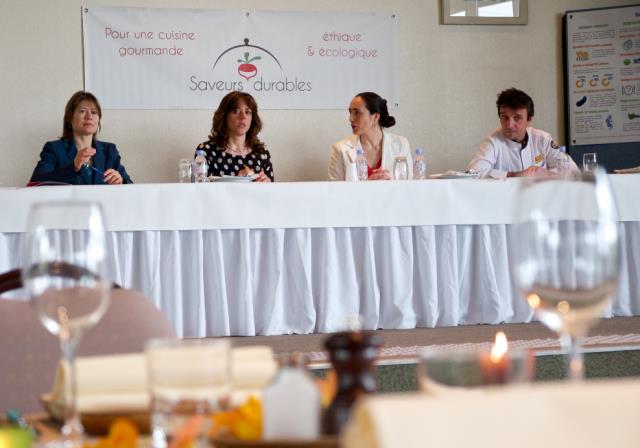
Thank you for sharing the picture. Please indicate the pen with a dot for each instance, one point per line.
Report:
(96, 169)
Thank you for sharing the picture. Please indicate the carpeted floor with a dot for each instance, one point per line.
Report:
(613, 348)
(616, 333)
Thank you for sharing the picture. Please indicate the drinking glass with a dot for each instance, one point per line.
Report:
(189, 379)
(64, 274)
(400, 168)
(184, 171)
(566, 254)
(589, 161)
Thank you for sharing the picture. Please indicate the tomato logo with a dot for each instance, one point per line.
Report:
(246, 69)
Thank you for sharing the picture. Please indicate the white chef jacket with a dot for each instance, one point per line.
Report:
(498, 155)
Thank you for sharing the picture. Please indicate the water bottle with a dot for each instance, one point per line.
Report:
(200, 167)
(563, 162)
(419, 165)
(361, 165)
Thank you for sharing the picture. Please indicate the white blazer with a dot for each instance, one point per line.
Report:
(344, 153)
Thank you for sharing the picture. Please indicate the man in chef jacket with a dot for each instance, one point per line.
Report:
(515, 148)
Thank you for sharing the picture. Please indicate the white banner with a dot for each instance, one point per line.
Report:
(147, 58)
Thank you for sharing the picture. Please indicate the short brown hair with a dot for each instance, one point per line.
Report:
(219, 126)
(70, 108)
(515, 99)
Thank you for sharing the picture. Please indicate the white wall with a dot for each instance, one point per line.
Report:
(449, 81)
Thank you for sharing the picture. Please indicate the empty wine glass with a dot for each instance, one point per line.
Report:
(64, 274)
(566, 254)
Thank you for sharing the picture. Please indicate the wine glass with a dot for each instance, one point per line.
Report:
(64, 274)
(566, 254)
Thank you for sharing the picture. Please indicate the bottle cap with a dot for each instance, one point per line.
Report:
(419, 151)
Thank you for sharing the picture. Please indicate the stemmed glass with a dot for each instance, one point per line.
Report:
(566, 254)
(64, 274)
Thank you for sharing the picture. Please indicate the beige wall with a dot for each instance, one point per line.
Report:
(447, 95)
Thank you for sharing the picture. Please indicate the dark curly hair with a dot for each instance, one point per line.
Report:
(515, 99)
(228, 104)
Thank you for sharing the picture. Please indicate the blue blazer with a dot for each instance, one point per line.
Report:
(56, 164)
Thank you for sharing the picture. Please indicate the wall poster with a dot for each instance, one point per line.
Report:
(603, 70)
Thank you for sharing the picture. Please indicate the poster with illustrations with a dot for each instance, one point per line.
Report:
(603, 69)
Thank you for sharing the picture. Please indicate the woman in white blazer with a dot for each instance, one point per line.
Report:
(369, 117)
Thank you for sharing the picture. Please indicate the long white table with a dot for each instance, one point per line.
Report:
(246, 259)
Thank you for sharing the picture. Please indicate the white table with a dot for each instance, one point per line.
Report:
(246, 259)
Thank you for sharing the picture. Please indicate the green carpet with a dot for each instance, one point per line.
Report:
(610, 364)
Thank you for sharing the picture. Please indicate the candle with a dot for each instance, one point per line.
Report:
(496, 365)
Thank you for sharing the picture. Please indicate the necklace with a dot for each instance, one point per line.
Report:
(237, 151)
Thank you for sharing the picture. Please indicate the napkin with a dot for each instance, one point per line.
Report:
(118, 383)
(590, 414)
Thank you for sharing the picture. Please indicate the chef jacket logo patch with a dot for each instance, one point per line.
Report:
(538, 158)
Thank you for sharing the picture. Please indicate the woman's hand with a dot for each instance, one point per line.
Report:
(246, 171)
(83, 156)
(380, 174)
(261, 177)
(112, 177)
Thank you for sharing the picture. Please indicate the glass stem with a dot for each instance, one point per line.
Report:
(72, 430)
(574, 359)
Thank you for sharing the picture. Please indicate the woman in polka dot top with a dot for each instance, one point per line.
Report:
(233, 148)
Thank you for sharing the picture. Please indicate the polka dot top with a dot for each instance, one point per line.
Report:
(222, 163)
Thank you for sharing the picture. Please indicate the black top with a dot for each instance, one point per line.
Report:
(222, 163)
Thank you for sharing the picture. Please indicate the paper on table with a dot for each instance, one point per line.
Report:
(118, 383)
(635, 169)
(591, 414)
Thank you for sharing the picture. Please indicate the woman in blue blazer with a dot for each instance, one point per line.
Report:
(77, 157)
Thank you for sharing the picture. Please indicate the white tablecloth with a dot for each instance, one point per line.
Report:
(236, 259)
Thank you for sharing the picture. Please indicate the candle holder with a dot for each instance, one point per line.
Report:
(440, 369)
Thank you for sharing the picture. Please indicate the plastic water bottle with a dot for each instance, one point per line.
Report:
(361, 165)
(200, 167)
(563, 163)
(419, 165)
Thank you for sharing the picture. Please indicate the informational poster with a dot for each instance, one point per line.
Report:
(603, 64)
(151, 58)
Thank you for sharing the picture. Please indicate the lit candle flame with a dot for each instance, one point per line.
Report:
(500, 347)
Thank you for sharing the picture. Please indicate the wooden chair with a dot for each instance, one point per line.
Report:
(29, 353)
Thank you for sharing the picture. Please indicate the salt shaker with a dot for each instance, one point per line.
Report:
(291, 404)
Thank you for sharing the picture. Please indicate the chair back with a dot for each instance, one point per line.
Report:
(12, 279)
(30, 353)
